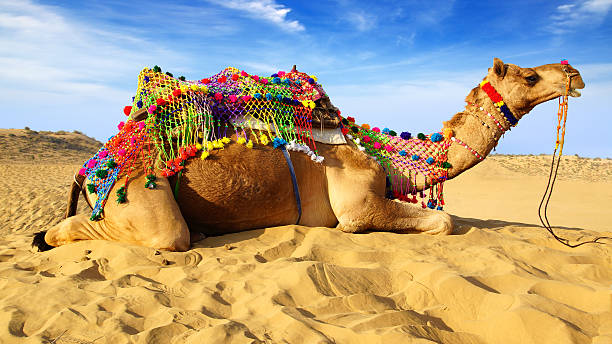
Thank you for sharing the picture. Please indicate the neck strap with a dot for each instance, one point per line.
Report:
(498, 101)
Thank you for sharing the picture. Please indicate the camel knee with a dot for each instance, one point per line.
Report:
(442, 224)
(66, 232)
(177, 239)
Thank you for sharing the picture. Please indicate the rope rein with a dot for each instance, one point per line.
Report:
(554, 168)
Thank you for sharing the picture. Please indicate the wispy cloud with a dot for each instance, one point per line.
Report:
(266, 10)
(361, 20)
(569, 17)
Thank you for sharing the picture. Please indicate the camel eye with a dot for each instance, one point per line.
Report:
(531, 79)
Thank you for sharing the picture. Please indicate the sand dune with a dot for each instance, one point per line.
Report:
(499, 279)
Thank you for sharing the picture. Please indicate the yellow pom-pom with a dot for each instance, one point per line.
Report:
(194, 87)
(264, 140)
(184, 88)
(198, 146)
(204, 89)
(314, 78)
(365, 126)
(226, 140)
(210, 146)
(217, 144)
(205, 155)
(305, 103)
(241, 140)
(249, 144)
(201, 135)
(311, 104)
(448, 133)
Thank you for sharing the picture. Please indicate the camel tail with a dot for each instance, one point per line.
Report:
(73, 196)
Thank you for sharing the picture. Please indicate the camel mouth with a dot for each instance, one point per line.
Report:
(574, 93)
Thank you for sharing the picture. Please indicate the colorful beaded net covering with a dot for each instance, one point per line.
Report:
(187, 119)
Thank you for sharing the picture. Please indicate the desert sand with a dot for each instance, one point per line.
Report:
(500, 278)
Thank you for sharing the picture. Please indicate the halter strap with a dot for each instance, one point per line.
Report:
(296, 190)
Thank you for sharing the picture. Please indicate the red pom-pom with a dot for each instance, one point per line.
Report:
(205, 81)
(176, 92)
(350, 119)
(218, 96)
(243, 73)
(235, 77)
(345, 131)
(232, 98)
(222, 79)
(127, 110)
(160, 101)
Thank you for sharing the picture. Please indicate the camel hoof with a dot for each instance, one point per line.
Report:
(40, 243)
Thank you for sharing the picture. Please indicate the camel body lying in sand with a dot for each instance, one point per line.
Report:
(246, 189)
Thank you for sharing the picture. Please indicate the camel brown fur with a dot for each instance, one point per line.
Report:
(237, 189)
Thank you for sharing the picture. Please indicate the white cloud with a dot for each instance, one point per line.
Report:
(569, 17)
(266, 10)
(362, 21)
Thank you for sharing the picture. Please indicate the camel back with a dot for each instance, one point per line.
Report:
(184, 117)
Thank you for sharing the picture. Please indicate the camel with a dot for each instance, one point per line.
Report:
(240, 189)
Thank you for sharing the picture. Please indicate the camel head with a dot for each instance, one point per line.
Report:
(524, 88)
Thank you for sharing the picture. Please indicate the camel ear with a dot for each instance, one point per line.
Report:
(499, 67)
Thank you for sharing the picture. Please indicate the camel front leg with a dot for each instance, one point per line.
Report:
(149, 218)
(374, 212)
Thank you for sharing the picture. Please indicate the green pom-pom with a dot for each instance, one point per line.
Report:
(91, 188)
(101, 173)
(150, 184)
(97, 216)
(170, 74)
(157, 69)
(182, 78)
(121, 195)
(392, 133)
(446, 164)
(111, 164)
(421, 136)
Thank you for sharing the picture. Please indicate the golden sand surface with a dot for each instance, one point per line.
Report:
(499, 279)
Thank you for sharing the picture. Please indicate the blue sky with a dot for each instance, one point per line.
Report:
(406, 65)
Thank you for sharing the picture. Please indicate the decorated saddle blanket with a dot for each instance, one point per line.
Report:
(188, 119)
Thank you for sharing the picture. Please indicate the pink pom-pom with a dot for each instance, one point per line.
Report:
(367, 139)
(377, 145)
(152, 108)
(243, 73)
(389, 148)
(255, 77)
(376, 129)
(92, 163)
(246, 98)
(103, 154)
(218, 96)
(141, 125)
(121, 124)
(121, 152)
(264, 81)
(82, 172)
(564, 62)
(232, 98)
(281, 73)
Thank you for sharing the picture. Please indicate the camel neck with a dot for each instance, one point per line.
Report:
(477, 130)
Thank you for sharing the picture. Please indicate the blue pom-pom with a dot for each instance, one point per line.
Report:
(311, 81)
(278, 142)
(287, 100)
(386, 131)
(274, 75)
(430, 204)
(276, 80)
(146, 79)
(402, 153)
(139, 104)
(439, 207)
(430, 160)
(296, 102)
(405, 135)
(257, 95)
(268, 96)
(415, 157)
(436, 137)
(287, 82)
